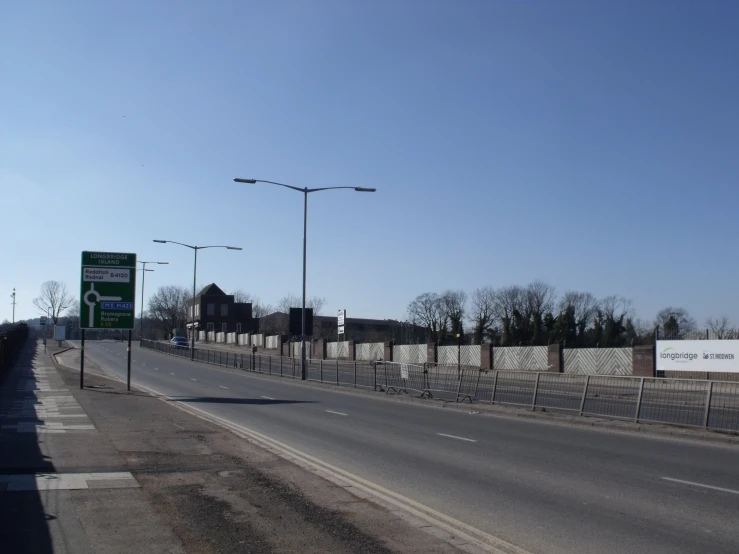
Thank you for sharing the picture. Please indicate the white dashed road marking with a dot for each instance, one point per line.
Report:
(722, 489)
(456, 437)
(337, 413)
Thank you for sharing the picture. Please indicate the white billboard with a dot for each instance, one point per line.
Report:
(698, 355)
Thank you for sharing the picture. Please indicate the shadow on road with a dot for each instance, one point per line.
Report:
(248, 401)
(24, 522)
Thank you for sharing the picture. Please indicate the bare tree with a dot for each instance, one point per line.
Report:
(674, 321)
(53, 300)
(428, 310)
(74, 309)
(616, 307)
(720, 327)
(508, 302)
(453, 303)
(73, 314)
(289, 301)
(316, 303)
(483, 308)
(584, 307)
(539, 298)
(258, 308)
(293, 301)
(168, 306)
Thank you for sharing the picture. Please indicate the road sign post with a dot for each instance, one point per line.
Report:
(107, 294)
(42, 321)
(340, 322)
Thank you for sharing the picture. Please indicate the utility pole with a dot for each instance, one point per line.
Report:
(13, 297)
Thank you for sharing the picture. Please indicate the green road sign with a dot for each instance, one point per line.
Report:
(108, 290)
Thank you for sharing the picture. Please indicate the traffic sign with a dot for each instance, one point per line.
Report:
(107, 290)
(42, 320)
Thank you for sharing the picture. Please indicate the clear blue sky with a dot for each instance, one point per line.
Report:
(591, 144)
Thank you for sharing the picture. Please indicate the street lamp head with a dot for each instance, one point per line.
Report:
(162, 241)
(234, 248)
(163, 263)
(362, 189)
(248, 181)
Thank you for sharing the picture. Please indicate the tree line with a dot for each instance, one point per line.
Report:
(508, 316)
(534, 315)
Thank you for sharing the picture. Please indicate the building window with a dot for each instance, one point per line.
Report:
(238, 328)
(224, 310)
(211, 309)
(223, 327)
(197, 310)
(210, 326)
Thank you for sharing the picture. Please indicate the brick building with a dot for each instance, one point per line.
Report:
(217, 311)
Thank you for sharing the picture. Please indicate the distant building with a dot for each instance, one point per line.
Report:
(217, 311)
(360, 330)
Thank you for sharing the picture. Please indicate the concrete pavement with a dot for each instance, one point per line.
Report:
(105, 470)
(545, 488)
(64, 488)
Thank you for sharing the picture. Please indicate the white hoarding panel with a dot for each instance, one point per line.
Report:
(698, 355)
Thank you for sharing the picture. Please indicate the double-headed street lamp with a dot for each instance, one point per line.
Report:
(305, 192)
(194, 280)
(143, 281)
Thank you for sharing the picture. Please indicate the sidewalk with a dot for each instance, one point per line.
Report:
(63, 486)
(103, 470)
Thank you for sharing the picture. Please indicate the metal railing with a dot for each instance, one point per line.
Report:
(688, 402)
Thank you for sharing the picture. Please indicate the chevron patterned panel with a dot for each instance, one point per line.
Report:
(371, 351)
(598, 361)
(297, 347)
(470, 355)
(337, 349)
(520, 358)
(447, 355)
(410, 354)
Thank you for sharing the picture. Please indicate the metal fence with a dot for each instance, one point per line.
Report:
(689, 402)
(731, 333)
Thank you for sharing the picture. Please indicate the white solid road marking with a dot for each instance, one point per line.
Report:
(456, 437)
(337, 413)
(268, 397)
(191, 379)
(223, 387)
(722, 489)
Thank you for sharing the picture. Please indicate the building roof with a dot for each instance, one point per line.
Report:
(212, 290)
(349, 320)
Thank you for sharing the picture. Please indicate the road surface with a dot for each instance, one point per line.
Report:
(545, 487)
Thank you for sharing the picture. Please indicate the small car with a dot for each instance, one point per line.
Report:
(180, 341)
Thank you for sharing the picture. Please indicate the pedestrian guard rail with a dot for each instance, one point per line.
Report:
(688, 402)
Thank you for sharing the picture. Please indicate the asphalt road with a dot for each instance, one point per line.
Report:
(662, 400)
(547, 488)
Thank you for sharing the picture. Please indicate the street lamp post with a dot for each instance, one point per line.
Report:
(194, 281)
(13, 297)
(306, 191)
(143, 282)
